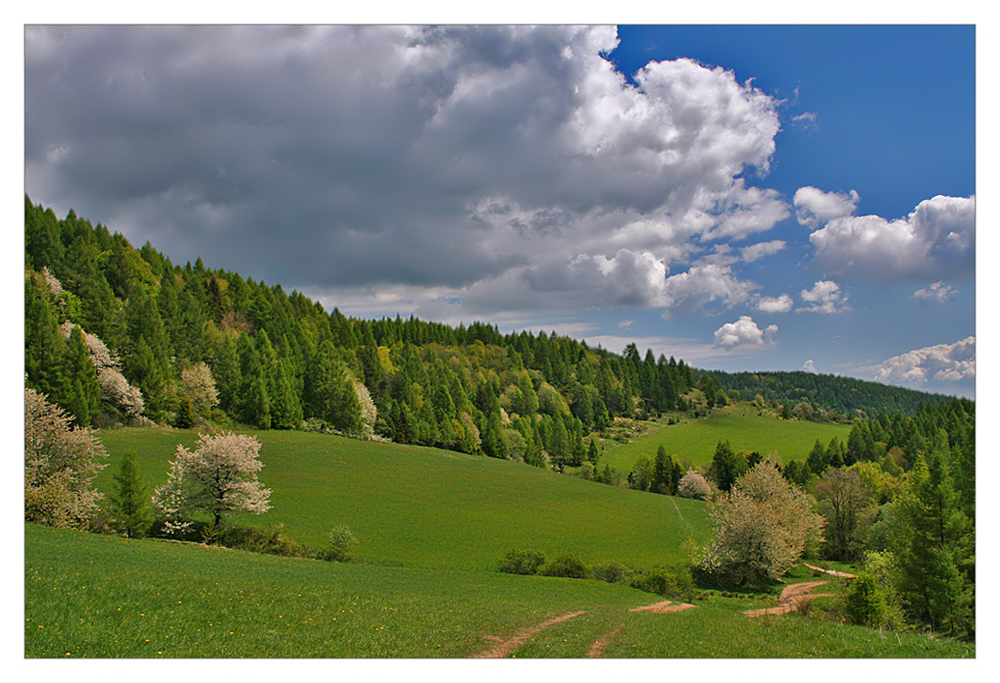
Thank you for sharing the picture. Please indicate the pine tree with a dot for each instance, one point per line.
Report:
(84, 400)
(129, 501)
(933, 543)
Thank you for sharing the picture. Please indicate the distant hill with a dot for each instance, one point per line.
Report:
(844, 395)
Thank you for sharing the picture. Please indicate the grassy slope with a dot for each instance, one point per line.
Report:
(101, 596)
(694, 440)
(424, 507)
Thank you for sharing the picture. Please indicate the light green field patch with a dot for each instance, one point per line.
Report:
(694, 440)
(423, 507)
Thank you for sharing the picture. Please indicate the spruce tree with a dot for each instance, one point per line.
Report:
(933, 543)
(129, 500)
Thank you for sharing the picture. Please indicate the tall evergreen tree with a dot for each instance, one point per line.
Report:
(129, 500)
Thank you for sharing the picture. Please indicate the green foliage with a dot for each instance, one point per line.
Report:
(933, 542)
(521, 561)
(567, 566)
(130, 509)
(673, 582)
(340, 543)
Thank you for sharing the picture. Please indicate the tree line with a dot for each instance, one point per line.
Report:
(116, 334)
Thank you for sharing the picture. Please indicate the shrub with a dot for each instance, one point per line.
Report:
(612, 573)
(672, 582)
(271, 542)
(693, 485)
(341, 542)
(521, 561)
(565, 566)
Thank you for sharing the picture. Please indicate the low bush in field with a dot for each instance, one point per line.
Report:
(613, 572)
(521, 562)
(270, 542)
(566, 566)
(342, 541)
(671, 582)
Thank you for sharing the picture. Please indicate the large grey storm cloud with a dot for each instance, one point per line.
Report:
(508, 166)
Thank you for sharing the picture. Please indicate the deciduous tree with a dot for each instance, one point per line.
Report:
(761, 527)
(60, 463)
(219, 477)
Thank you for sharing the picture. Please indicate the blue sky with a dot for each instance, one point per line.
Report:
(743, 197)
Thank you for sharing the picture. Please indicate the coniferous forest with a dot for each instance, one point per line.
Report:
(119, 335)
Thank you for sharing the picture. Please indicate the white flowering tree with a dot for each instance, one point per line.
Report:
(115, 389)
(761, 527)
(60, 463)
(693, 485)
(219, 477)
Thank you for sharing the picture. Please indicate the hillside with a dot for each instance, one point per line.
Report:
(425, 507)
(693, 441)
(90, 596)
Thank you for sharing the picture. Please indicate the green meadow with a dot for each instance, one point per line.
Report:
(423, 507)
(693, 440)
(90, 596)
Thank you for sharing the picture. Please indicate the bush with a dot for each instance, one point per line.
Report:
(341, 542)
(670, 582)
(521, 562)
(271, 542)
(565, 566)
(612, 573)
(693, 485)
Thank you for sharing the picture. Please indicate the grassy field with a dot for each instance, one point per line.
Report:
(423, 507)
(100, 596)
(693, 441)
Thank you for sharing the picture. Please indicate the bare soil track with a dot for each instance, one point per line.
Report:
(791, 598)
(506, 646)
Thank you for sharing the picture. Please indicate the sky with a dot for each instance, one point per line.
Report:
(788, 197)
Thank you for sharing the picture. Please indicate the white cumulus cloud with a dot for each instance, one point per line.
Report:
(775, 304)
(943, 363)
(809, 366)
(753, 252)
(939, 291)
(744, 333)
(813, 207)
(824, 297)
(938, 238)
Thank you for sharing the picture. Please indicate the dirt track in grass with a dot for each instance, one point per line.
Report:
(505, 646)
(791, 598)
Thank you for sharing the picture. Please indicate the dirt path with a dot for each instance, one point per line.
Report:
(505, 647)
(791, 598)
(598, 647)
(831, 572)
(665, 607)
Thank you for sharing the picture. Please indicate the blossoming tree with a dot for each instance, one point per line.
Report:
(219, 477)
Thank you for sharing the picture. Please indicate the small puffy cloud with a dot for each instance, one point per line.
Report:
(751, 253)
(824, 297)
(942, 363)
(938, 291)
(625, 324)
(775, 304)
(744, 333)
(809, 366)
(813, 207)
(938, 238)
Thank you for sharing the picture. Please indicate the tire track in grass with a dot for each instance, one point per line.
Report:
(665, 607)
(505, 647)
